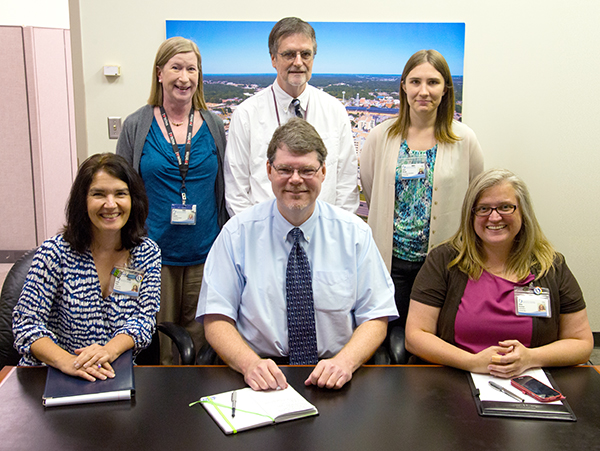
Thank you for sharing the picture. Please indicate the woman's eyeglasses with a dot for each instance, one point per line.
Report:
(502, 210)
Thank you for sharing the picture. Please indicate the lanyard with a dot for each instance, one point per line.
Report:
(185, 164)
(277, 109)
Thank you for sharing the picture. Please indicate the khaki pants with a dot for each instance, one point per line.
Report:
(180, 287)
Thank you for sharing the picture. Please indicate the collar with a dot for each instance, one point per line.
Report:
(284, 99)
(282, 226)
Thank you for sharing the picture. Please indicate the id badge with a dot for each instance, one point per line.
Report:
(183, 214)
(126, 281)
(532, 301)
(414, 168)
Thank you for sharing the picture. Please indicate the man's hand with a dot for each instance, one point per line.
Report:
(264, 374)
(223, 336)
(330, 373)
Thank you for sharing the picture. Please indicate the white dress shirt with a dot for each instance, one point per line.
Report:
(252, 125)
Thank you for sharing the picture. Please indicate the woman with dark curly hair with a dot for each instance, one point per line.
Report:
(93, 291)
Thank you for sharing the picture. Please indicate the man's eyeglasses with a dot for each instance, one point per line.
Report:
(290, 55)
(502, 210)
(286, 171)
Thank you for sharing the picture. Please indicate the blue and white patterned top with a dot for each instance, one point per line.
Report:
(412, 209)
(62, 300)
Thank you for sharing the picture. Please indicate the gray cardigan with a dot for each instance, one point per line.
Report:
(133, 137)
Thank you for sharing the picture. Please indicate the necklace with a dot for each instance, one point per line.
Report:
(177, 124)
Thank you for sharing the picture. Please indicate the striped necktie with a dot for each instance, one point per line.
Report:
(296, 104)
(302, 333)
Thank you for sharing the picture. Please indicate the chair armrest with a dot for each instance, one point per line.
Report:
(398, 352)
(380, 357)
(11, 291)
(207, 355)
(182, 340)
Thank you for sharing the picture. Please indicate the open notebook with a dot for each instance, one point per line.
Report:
(256, 408)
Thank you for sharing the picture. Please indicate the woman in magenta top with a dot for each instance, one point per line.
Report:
(497, 298)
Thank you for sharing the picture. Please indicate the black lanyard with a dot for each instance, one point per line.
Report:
(185, 164)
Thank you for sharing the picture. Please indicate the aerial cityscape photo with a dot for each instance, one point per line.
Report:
(369, 99)
(359, 63)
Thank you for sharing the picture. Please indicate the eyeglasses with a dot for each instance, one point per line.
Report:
(502, 210)
(286, 171)
(290, 55)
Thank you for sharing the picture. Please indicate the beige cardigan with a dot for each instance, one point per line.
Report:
(455, 166)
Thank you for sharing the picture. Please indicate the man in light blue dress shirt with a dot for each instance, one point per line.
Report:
(243, 296)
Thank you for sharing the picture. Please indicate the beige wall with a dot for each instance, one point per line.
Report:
(35, 13)
(531, 91)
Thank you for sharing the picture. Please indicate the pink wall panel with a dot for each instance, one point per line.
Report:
(37, 147)
(17, 217)
(50, 102)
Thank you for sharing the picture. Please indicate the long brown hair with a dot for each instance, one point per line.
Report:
(445, 112)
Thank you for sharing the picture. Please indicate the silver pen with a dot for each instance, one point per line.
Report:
(233, 403)
(506, 392)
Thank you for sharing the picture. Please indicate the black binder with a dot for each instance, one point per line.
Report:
(561, 411)
(62, 389)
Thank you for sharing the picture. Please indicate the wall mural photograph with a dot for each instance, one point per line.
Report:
(358, 63)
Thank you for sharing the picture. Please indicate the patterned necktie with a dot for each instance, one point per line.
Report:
(302, 333)
(296, 104)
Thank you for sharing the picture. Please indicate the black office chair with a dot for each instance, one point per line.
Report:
(11, 290)
(181, 338)
(380, 357)
(207, 356)
(392, 350)
(397, 350)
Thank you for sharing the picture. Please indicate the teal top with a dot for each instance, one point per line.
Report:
(412, 208)
(181, 245)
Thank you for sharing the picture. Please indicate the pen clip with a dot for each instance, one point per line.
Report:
(233, 402)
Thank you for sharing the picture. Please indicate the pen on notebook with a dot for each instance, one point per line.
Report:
(506, 392)
(233, 402)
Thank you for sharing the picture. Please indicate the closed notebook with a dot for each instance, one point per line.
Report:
(490, 402)
(257, 408)
(62, 389)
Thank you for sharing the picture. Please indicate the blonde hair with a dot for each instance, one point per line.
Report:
(167, 50)
(530, 248)
(445, 112)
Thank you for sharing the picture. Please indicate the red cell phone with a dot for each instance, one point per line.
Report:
(536, 389)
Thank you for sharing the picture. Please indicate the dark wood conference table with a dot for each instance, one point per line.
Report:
(382, 408)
